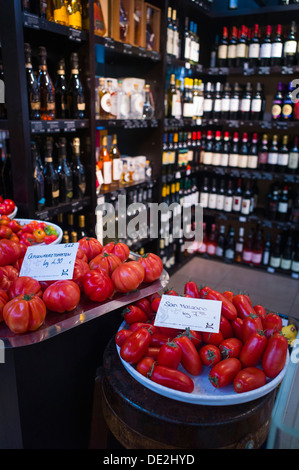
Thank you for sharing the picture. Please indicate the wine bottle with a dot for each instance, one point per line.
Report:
(234, 151)
(220, 242)
(239, 245)
(224, 157)
(277, 103)
(115, 157)
(217, 101)
(252, 161)
(247, 251)
(275, 257)
(267, 250)
(290, 46)
(241, 51)
(225, 101)
(283, 155)
(277, 47)
(232, 48)
(171, 97)
(294, 157)
(263, 153)
(75, 91)
(38, 179)
(243, 152)
(51, 181)
(257, 104)
(287, 104)
(228, 199)
(32, 86)
(212, 241)
(204, 193)
(78, 171)
(245, 105)
(273, 154)
(257, 249)
(81, 227)
(217, 149)
(208, 150)
(106, 164)
(273, 204)
(254, 47)
(237, 197)
(223, 48)
(208, 101)
(286, 255)
(64, 174)
(235, 103)
(105, 106)
(220, 196)
(283, 205)
(212, 195)
(176, 39)
(265, 52)
(246, 199)
(229, 251)
(46, 88)
(61, 92)
(169, 36)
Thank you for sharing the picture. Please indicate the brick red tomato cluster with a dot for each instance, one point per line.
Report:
(99, 273)
(248, 350)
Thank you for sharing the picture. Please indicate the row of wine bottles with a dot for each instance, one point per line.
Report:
(57, 180)
(49, 101)
(182, 46)
(234, 48)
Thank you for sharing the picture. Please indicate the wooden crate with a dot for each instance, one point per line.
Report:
(105, 12)
(128, 6)
(153, 22)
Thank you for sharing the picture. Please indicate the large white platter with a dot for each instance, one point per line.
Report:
(204, 392)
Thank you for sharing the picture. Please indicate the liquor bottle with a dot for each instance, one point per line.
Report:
(277, 103)
(78, 171)
(46, 88)
(220, 196)
(169, 35)
(273, 204)
(187, 40)
(225, 150)
(124, 22)
(232, 48)
(263, 153)
(267, 250)
(176, 39)
(254, 47)
(61, 92)
(257, 104)
(229, 250)
(217, 149)
(214, 53)
(247, 251)
(222, 48)
(208, 101)
(212, 195)
(217, 101)
(148, 104)
(287, 104)
(220, 242)
(295, 261)
(283, 155)
(283, 205)
(241, 51)
(228, 199)
(245, 104)
(277, 47)
(273, 155)
(234, 151)
(204, 193)
(99, 23)
(115, 157)
(171, 97)
(246, 199)
(243, 152)
(290, 46)
(208, 150)
(212, 241)
(74, 8)
(75, 91)
(38, 179)
(237, 197)
(252, 161)
(51, 181)
(32, 86)
(60, 14)
(239, 246)
(106, 164)
(257, 249)
(275, 257)
(136, 103)
(225, 101)
(105, 104)
(286, 255)
(294, 157)
(81, 227)
(64, 174)
(198, 99)
(235, 103)
(265, 52)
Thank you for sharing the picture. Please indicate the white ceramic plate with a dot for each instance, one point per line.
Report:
(58, 229)
(13, 214)
(204, 392)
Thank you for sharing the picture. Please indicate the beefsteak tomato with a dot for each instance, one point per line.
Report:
(97, 285)
(153, 266)
(24, 313)
(62, 296)
(24, 285)
(128, 276)
(121, 250)
(91, 247)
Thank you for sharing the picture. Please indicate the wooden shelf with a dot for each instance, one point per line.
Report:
(40, 24)
(127, 49)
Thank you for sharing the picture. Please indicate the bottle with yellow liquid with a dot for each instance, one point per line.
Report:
(99, 23)
(60, 14)
(74, 9)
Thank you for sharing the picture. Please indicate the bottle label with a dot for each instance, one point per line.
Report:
(220, 202)
(257, 258)
(272, 158)
(229, 253)
(256, 105)
(219, 251)
(217, 105)
(293, 160)
(216, 159)
(274, 262)
(276, 111)
(245, 105)
(286, 264)
(234, 105)
(212, 201)
(245, 207)
(276, 50)
(252, 161)
(207, 158)
(169, 41)
(239, 247)
(283, 207)
(290, 47)
(247, 256)
(60, 15)
(225, 102)
(116, 169)
(222, 51)
(287, 110)
(188, 110)
(232, 51)
(106, 103)
(224, 159)
(283, 159)
(263, 158)
(241, 51)
(228, 204)
(204, 199)
(75, 20)
(242, 161)
(198, 105)
(254, 51)
(265, 51)
(107, 172)
(211, 249)
(237, 201)
(187, 48)
(208, 105)
(295, 266)
(233, 159)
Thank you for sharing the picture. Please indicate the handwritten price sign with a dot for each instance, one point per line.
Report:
(184, 312)
(50, 262)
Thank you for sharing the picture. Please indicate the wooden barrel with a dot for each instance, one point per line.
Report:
(142, 419)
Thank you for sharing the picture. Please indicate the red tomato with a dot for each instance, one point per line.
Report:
(194, 336)
(4, 209)
(191, 289)
(62, 296)
(170, 332)
(14, 225)
(275, 355)
(260, 311)
(228, 310)
(145, 305)
(81, 255)
(9, 252)
(212, 338)
(133, 314)
(14, 238)
(121, 336)
(251, 324)
(135, 346)
(158, 339)
(171, 292)
(136, 326)
(5, 231)
(272, 323)
(8, 274)
(3, 300)
(203, 292)
(121, 250)
(253, 350)
(249, 379)
(243, 305)
(237, 326)
(190, 357)
(10, 204)
(153, 352)
(28, 238)
(210, 355)
(128, 276)
(226, 327)
(153, 266)
(107, 262)
(144, 366)
(172, 378)
(224, 372)
(155, 304)
(24, 285)
(228, 294)
(45, 284)
(50, 239)
(97, 285)
(24, 313)
(80, 269)
(230, 347)
(170, 355)
(91, 247)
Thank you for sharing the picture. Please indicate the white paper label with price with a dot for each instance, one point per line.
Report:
(186, 312)
(50, 262)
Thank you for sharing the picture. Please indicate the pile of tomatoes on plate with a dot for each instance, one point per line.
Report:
(99, 273)
(7, 206)
(248, 350)
(31, 233)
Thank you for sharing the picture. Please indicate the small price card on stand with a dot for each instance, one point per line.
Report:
(186, 312)
(50, 262)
